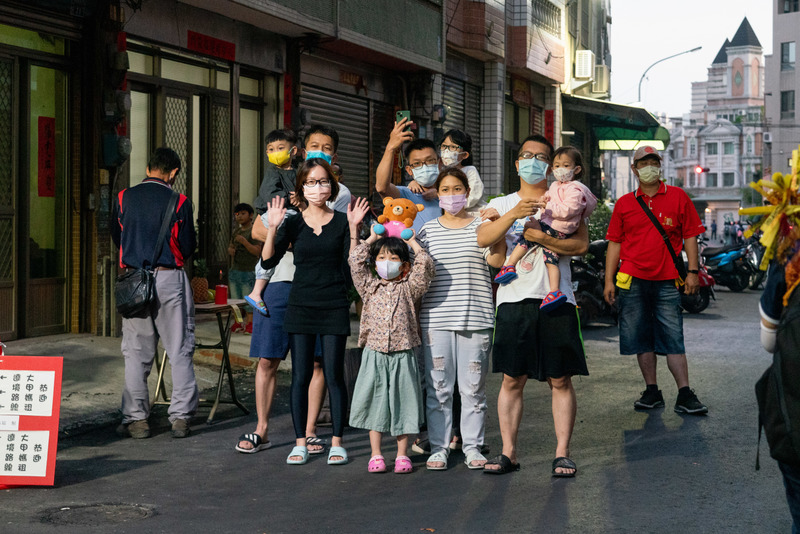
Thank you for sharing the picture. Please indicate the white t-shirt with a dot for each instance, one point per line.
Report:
(342, 199)
(460, 295)
(535, 284)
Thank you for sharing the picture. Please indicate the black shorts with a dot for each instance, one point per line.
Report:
(538, 344)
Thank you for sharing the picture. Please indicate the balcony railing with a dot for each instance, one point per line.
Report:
(546, 16)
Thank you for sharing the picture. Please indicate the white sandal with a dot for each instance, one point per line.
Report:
(474, 456)
(439, 456)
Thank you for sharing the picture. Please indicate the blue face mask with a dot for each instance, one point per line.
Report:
(532, 171)
(426, 175)
(319, 154)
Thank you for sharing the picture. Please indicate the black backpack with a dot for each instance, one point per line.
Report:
(778, 390)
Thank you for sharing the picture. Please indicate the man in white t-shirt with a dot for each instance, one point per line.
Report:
(529, 342)
(422, 163)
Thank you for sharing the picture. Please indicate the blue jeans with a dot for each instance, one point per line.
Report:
(791, 481)
(650, 318)
(240, 283)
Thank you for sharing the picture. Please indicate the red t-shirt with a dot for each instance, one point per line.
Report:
(642, 250)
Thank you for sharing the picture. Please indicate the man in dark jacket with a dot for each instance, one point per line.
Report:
(138, 213)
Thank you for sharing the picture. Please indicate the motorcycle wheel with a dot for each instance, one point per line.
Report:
(740, 280)
(696, 303)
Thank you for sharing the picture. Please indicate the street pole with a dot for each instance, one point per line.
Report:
(659, 61)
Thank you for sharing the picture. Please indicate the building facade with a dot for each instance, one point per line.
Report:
(716, 148)
(782, 134)
(89, 88)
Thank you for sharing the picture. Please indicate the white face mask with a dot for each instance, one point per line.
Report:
(388, 269)
(563, 174)
(449, 157)
(649, 175)
(426, 175)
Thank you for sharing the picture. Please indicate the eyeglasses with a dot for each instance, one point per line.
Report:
(418, 164)
(540, 157)
(314, 183)
(454, 148)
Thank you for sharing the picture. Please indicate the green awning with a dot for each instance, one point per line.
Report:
(618, 126)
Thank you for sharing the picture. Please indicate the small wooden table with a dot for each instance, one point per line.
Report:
(225, 365)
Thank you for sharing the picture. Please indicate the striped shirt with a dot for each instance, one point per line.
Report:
(460, 296)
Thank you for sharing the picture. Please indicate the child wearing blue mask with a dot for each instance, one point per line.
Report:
(387, 395)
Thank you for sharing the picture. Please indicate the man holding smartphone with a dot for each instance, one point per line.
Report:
(421, 162)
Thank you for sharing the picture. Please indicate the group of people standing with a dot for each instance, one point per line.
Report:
(429, 320)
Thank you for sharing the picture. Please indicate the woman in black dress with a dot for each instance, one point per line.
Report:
(318, 305)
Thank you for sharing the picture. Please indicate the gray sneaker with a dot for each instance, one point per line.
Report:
(690, 405)
(135, 429)
(180, 428)
(649, 400)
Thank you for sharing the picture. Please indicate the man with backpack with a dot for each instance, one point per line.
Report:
(778, 390)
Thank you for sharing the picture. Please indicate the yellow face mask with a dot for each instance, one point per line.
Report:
(279, 159)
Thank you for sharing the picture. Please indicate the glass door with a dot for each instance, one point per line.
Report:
(45, 180)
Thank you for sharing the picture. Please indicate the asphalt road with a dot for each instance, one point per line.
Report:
(637, 472)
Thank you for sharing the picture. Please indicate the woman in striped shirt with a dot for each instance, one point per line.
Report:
(457, 318)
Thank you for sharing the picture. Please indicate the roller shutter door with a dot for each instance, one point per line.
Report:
(350, 116)
(464, 111)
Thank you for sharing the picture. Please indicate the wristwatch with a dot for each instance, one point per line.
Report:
(693, 271)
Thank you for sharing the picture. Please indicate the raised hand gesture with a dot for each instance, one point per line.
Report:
(399, 134)
(276, 211)
(356, 211)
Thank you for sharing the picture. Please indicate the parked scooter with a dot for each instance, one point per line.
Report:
(730, 266)
(699, 301)
(588, 281)
(755, 253)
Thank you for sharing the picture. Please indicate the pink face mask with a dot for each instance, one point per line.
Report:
(452, 204)
(316, 195)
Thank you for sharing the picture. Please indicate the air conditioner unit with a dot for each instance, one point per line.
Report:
(767, 137)
(600, 84)
(584, 64)
(741, 112)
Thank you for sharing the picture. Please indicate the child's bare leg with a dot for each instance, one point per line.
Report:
(554, 275)
(375, 442)
(258, 289)
(516, 255)
(402, 445)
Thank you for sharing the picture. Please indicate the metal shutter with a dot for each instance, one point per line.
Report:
(464, 111)
(349, 115)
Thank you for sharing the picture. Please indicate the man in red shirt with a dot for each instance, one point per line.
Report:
(650, 320)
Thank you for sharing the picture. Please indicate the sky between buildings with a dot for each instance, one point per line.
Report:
(644, 31)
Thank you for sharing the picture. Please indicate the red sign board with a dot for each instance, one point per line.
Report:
(30, 401)
(47, 156)
(211, 46)
(549, 124)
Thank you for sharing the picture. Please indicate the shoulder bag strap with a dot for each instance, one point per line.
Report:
(162, 234)
(678, 262)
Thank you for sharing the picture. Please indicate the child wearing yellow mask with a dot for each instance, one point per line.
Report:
(279, 181)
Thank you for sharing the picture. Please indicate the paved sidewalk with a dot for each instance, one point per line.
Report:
(93, 375)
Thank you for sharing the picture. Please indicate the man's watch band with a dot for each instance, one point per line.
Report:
(693, 271)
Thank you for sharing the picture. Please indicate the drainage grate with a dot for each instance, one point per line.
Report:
(97, 514)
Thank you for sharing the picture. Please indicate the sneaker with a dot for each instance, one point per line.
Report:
(508, 273)
(650, 399)
(691, 405)
(552, 301)
(421, 446)
(249, 328)
(180, 428)
(455, 443)
(135, 429)
(237, 327)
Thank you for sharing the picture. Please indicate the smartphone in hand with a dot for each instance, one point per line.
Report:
(405, 114)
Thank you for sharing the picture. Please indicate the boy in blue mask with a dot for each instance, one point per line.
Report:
(422, 163)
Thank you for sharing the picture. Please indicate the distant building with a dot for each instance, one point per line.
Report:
(783, 80)
(723, 132)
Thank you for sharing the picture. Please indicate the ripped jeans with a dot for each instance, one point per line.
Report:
(450, 355)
